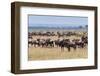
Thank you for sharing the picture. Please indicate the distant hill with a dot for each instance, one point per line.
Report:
(57, 27)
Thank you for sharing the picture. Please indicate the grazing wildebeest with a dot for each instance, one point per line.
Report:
(64, 43)
(35, 43)
(59, 34)
(67, 44)
(49, 43)
(80, 44)
(84, 39)
(57, 42)
(43, 43)
(30, 42)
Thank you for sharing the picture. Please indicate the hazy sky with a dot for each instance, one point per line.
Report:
(42, 20)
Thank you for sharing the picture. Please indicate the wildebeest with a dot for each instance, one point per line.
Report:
(49, 43)
(64, 43)
(41, 42)
(67, 44)
(79, 43)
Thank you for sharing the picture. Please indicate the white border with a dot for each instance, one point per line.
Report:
(25, 64)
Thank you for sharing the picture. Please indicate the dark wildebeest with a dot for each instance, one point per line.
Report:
(79, 43)
(34, 42)
(57, 42)
(67, 44)
(49, 43)
(84, 39)
(43, 43)
(59, 34)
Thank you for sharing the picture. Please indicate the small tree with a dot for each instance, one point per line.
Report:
(86, 26)
(80, 27)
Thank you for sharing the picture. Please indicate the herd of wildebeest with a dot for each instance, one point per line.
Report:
(62, 41)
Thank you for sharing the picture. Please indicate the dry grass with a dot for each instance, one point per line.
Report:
(39, 53)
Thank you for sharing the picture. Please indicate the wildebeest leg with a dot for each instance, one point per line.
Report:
(74, 47)
(62, 48)
(29, 43)
(57, 45)
(52, 44)
(82, 45)
(34, 45)
(42, 45)
(28, 46)
(38, 44)
(68, 48)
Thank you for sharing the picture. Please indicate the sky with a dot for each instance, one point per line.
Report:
(45, 20)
